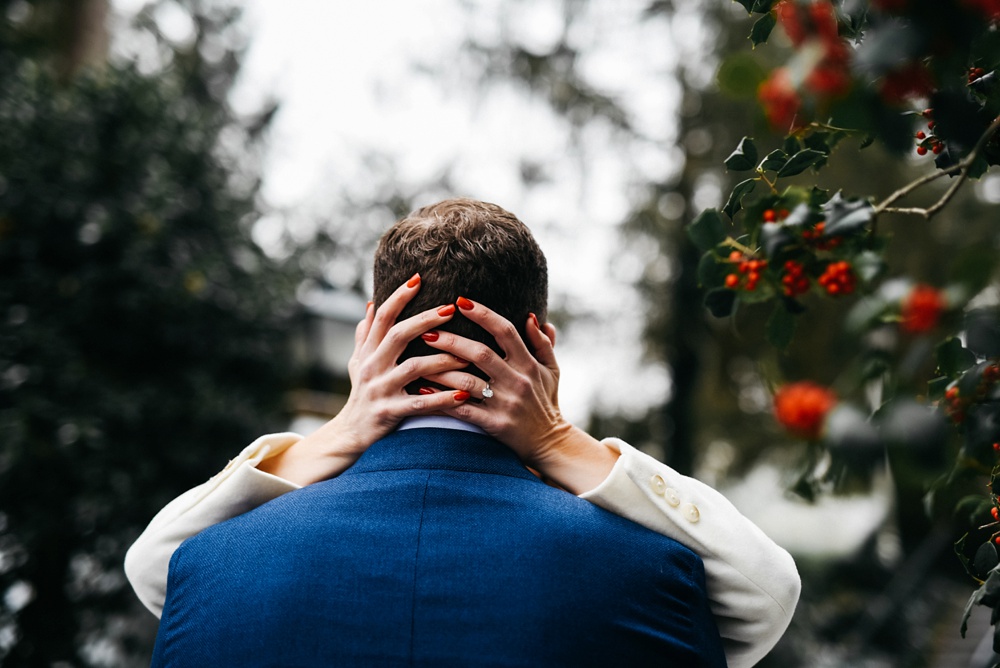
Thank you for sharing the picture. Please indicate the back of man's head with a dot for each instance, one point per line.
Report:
(463, 247)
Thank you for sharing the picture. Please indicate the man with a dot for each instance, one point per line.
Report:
(437, 546)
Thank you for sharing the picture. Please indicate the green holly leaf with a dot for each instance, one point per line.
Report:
(818, 141)
(735, 202)
(844, 216)
(774, 237)
(953, 358)
(774, 160)
(986, 558)
(791, 146)
(869, 265)
(988, 595)
(762, 28)
(744, 158)
(801, 216)
(720, 302)
(707, 230)
(711, 272)
(780, 327)
(982, 332)
(799, 162)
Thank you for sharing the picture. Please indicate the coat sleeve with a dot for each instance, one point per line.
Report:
(753, 584)
(239, 487)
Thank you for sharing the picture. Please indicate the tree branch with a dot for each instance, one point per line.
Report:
(733, 243)
(962, 167)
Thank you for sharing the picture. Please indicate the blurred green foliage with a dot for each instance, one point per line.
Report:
(142, 332)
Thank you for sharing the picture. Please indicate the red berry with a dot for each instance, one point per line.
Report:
(937, 148)
(921, 150)
(921, 135)
(802, 407)
(769, 216)
(735, 256)
(927, 113)
(732, 280)
(951, 392)
(996, 447)
(920, 311)
(995, 513)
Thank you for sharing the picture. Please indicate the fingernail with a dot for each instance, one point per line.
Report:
(368, 306)
(430, 336)
(413, 282)
(426, 390)
(534, 319)
(446, 310)
(464, 304)
(462, 395)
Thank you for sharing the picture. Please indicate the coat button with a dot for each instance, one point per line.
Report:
(691, 512)
(656, 482)
(672, 498)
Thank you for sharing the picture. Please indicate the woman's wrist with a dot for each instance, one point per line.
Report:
(573, 459)
(324, 454)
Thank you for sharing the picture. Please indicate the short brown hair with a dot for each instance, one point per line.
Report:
(464, 247)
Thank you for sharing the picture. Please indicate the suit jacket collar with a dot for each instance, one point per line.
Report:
(442, 449)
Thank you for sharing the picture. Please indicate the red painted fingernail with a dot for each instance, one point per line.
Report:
(464, 304)
(430, 336)
(446, 310)
(414, 281)
(426, 390)
(534, 319)
(462, 395)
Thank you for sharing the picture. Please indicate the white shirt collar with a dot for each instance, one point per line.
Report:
(438, 422)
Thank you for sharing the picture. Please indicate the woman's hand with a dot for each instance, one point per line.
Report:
(378, 400)
(523, 412)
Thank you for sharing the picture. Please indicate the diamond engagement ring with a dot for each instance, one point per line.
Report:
(487, 392)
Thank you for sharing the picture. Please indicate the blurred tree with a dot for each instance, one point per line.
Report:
(722, 371)
(141, 330)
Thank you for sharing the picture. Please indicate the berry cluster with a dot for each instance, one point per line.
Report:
(747, 273)
(816, 24)
(815, 236)
(802, 407)
(838, 279)
(956, 404)
(772, 216)
(794, 280)
(928, 142)
(921, 309)
(975, 73)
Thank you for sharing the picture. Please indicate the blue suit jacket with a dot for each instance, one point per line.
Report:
(437, 548)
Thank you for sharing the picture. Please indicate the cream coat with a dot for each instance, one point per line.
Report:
(753, 584)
